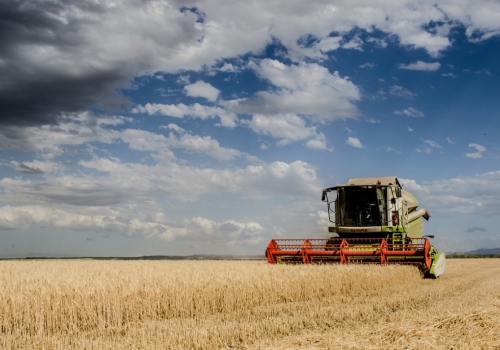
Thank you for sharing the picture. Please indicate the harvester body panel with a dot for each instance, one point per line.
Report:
(375, 221)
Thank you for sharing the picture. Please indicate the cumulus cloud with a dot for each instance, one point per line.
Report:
(305, 89)
(202, 89)
(122, 182)
(464, 195)
(411, 112)
(319, 142)
(227, 119)
(142, 140)
(354, 142)
(422, 66)
(329, 44)
(65, 57)
(46, 140)
(51, 142)
(286, 128)
(140, 223)
(479, 151)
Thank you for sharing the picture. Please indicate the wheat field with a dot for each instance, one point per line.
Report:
(92, 304)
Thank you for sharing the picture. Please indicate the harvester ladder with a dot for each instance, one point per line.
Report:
(398, 240)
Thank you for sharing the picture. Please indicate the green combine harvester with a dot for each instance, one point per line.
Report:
(375, 221)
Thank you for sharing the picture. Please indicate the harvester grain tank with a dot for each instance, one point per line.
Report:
(375, 221)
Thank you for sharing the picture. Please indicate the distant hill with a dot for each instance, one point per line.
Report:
(485, 251)
(478, 253)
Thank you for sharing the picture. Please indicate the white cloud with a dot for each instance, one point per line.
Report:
(410, 129)
(164, 37)
(432, 144)
(422, 66)
(142, 140)
(319, 142)
(465, 195)
(51, 142)
(425, 150)
(354, 142)
(285, 127)
(46, 140)
(411, 112)
(227, 119)
(450, 141)
(479, 151)
(202, 89)
(36, 167)
(398, 90)
(121, 220)
(204, 145)
(450, 75)
(390, 149)
(379, 42)
(305, 89)
(355, 44)
(229, 67)
(367, 65)
(329, 44)
(174, 127)
(124, 182)
(183, 79)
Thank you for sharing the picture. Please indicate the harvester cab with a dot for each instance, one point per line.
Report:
(374, 221)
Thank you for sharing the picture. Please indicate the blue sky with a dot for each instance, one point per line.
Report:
(157, 127)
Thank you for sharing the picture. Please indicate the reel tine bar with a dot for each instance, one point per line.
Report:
(346, 250)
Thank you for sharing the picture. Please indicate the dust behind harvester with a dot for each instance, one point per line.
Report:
(375, 221)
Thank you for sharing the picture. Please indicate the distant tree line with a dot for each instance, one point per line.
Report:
(471, 256)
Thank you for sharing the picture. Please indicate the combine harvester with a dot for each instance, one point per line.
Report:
(376, 221)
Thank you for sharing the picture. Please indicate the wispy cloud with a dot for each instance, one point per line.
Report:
(397, 90)
(421, 66)
(449, 75)
(393, 150)
(367, 65)
(411, 112)
(476, 229)
(432, 144)
(479, 151)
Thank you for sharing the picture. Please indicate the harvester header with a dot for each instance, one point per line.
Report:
(373, 221)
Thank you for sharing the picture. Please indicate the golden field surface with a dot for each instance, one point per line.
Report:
(92, 304)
